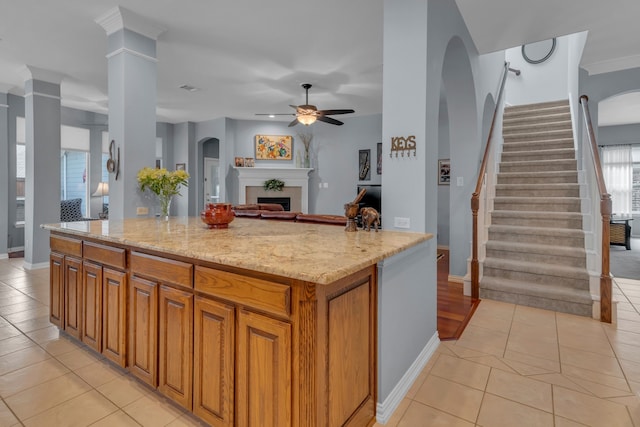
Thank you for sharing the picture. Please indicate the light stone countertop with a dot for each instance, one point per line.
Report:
(312, 252)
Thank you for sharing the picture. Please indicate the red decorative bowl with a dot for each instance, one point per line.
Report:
(217, 215)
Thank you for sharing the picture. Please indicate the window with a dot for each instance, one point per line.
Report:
(618, 176)
(21, 168)
(74, 164)
(635, 185)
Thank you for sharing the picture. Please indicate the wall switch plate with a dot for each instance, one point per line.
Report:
(325, 185)
(400, 222)
(460, 181)
(141, 210)
(319, 185)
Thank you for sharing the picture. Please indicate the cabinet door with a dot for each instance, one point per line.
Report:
(92, 305)
(114, 315)
(73, 296)
(176, 345)
(263, 371)
(213, 362)
(56, 289)
(143, 330)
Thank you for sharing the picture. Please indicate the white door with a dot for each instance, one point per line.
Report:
(211, 180)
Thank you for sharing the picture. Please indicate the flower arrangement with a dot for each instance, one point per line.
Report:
(273, 184)
(162, 183)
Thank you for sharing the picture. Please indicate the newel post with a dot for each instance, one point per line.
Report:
(475, 267)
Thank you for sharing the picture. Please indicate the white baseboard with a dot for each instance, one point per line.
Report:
(16, 249)
(37, 266)
(4, 256)
(456, 279)
(385, 409)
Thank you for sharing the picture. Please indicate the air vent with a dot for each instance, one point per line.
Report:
(189, 88)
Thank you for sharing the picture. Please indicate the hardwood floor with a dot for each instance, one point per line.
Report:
(454, 309)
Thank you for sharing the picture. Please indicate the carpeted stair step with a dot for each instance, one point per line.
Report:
(538, 190)
(555, 116)
(536, 253)
(533, 272)
(543, 108)
(541, 145)
(566, 300)
(512, 128)
(521, 156)
(544, 204)
(542, 134)
(539, 235)
(538, 177)
(571, 220)
(538, 166)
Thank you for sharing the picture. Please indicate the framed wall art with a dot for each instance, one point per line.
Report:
(444, 172)
(379, 158)
(364, 165)
(181, 166)
(274, 147)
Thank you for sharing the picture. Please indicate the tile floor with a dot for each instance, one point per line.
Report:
(513, 366)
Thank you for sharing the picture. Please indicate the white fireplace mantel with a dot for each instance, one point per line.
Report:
(256, 176)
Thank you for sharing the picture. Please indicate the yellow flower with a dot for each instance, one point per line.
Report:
(161, 181)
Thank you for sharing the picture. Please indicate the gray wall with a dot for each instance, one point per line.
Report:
(334, 154)
(4, 177)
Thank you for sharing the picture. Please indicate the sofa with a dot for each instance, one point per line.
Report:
(274, 211)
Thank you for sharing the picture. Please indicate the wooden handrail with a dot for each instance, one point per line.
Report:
(475, 198)
(605, 212)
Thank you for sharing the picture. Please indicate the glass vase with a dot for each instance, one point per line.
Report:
(307, 160)
(165, 206)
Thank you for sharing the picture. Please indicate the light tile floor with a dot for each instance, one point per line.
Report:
(513, 366)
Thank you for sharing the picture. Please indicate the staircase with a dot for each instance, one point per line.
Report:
(535, 252)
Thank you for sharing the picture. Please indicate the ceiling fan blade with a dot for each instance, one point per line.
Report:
(332, 112)
(294, 122)
(329, 120)
(295, 107)
(275, 114)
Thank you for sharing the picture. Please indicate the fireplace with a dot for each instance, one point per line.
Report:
(284, 201)
(296, 186)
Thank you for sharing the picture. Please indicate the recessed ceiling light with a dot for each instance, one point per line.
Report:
(189, 88)
(271, 116)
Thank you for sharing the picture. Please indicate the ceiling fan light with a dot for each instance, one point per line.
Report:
(306, 119)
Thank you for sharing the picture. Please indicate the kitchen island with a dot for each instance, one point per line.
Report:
(265, 323)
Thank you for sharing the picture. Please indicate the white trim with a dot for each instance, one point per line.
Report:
(132, 52)
(120, 18)
(44, 95)
(4, 256)
(36, 266)
(385, 409)
(4, 105)
(16, 249)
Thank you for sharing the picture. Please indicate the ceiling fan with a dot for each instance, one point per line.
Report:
(308, 114)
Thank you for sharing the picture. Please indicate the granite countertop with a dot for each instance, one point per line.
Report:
(312, 252)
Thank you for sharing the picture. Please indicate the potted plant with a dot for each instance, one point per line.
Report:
(273, 184)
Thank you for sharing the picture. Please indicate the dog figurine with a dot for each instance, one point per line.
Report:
(370, 216)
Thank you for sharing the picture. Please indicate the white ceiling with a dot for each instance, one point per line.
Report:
(250, 56)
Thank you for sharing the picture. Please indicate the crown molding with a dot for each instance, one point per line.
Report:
(30, 72)
(611, 65)
(120, 18)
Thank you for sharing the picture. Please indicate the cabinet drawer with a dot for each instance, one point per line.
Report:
(162, 269)
(106, 255)
(251, 292)
(66, 245)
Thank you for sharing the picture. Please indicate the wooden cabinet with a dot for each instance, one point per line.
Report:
(114, 315)
(143, 330)
(56, 289)
(176, 345)
(73, 296)
(263, 371)
(92, 305)
(213, 362)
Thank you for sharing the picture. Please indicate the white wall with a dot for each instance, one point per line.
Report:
(548, 81)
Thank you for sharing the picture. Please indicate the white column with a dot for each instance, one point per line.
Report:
(132, 77)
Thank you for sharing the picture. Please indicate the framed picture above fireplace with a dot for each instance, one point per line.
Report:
(274, 147)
